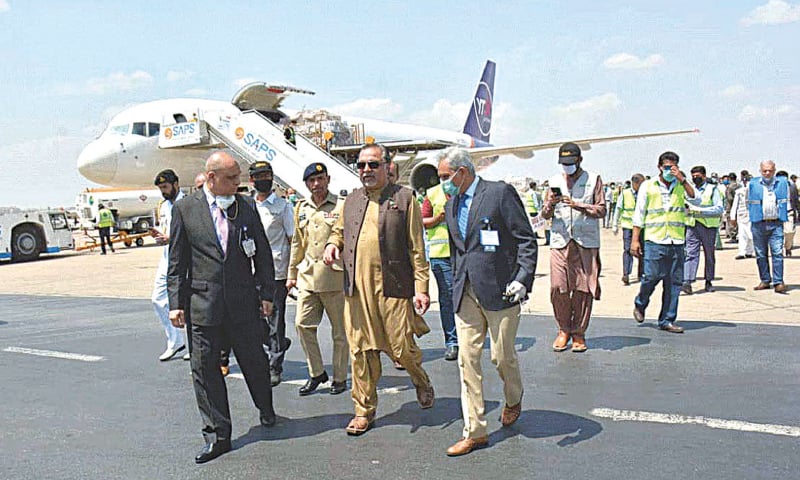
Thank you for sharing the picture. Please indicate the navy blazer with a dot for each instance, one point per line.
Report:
(211, 287)
(495, 206)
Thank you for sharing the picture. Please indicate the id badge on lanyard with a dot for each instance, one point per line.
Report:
(490, 239)
(248, 244)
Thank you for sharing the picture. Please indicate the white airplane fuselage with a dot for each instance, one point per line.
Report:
(127, 153)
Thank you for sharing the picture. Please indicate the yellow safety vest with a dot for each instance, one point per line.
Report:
(661, 222)
(530, 204)
(438, 237)
(106, 218)
(627, 208)
(708, 200)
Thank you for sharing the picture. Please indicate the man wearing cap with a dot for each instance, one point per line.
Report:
(167, 183)
(319, 286)
(661, 214)
(278, 220)
(379, 237)
(768, 206)
(576, 204)
(702, 225)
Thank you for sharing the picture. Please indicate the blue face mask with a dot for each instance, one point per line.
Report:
(449, 187)
(725, 182)
(667, 174)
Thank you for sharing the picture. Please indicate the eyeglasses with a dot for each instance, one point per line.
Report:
(372, 165)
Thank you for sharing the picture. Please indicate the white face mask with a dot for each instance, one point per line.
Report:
(225, 201)
(570, 169)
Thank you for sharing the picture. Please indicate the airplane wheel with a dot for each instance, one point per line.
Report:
(25, 244)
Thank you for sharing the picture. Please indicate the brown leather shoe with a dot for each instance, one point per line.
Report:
(560, 344)
(626, 280)
(671, 328)
(398, 365)
(466, 445)
(425, 396)
(579, 343)
(761, 286)
(638, 315)
(510, 414)
(359, 425)
(780, 288)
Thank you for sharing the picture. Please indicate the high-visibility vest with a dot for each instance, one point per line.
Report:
(530, 203)
(707, 201)
(627, 208)
(105, 218)
(438, 236)
(661, 221)
(615, 195)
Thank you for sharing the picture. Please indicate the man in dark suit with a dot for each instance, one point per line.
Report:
(493, 253)
(221, 278)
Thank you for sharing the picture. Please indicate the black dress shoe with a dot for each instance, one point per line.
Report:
(710, 288)
(338, 387)
(687, 288)
(451, 353)
(267, 419)
(312, 384)
(212, 451)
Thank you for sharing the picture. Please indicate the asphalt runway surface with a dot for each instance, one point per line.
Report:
(100, 405)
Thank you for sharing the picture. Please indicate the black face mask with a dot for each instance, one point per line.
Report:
(263, 186)
(698, 181)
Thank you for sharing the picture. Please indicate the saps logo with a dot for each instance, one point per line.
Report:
(258, 145)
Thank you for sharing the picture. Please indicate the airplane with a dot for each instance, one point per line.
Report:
(127, 153)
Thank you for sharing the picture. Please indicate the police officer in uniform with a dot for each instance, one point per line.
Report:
(319, 286)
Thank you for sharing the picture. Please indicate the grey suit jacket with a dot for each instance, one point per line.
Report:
(496, 206)
(209, 286)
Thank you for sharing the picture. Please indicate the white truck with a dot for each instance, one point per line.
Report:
(133, 210)
(24, 235)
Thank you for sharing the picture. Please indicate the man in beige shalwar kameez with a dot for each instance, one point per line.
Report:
(379, 237)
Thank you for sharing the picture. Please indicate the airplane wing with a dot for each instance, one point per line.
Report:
(526, 151)
(396, 146)
(264, 97)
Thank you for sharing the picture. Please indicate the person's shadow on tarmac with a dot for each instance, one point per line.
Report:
(548, 423)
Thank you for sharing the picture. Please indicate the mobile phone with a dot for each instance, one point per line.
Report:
(556, 191)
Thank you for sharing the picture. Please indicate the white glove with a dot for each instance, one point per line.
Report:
(516, 291)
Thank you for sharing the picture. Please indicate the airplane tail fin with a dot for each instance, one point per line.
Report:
(479, 120)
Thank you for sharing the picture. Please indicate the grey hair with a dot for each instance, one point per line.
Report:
(767, 162)
(456, 158)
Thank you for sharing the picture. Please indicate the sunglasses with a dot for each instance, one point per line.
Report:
(372, 165)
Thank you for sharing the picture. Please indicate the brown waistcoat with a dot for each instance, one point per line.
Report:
(398, 271)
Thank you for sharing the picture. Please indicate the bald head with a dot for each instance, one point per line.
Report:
(199, 180)
(222, 174)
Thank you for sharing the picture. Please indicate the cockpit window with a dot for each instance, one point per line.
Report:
(139, 129)
(119, 129)
(179, 118)
(152, 129)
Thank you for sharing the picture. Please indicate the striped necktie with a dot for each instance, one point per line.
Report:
(221, 225)
(463, 215)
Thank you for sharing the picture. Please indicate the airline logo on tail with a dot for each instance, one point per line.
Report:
(479, 121)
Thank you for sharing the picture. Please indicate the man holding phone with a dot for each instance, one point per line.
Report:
(576, 204)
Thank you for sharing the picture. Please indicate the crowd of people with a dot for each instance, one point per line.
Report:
(364, 260)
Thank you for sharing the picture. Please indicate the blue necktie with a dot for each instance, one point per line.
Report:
(463, 215)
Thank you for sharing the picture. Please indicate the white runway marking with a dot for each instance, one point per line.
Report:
(52, 354)
(300, 383)
(634, 416)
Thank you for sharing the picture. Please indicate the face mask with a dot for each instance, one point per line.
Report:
(667, 174)
(449, 187)
(725, 182)
(225, 201)
(263, 186)
(293, 198)
(697, 181)
(569, 169)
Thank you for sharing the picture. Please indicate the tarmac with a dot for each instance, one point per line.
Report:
(85, 396)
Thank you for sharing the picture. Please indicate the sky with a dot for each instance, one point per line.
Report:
(565, 70)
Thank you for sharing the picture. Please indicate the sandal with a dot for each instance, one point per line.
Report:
(561, 341)
(579, 344)
(359, 425)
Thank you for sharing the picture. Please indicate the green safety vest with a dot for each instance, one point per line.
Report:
(627, 208)
(106, 218)
(438, 237)
(614, 195)
(708, 200)
(660, 221)
(530, 204)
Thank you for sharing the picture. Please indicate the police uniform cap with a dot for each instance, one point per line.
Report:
(165, 176)
(569, 153)
(260, 167)
(313, 169)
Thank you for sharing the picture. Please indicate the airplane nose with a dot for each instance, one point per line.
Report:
(98, 162)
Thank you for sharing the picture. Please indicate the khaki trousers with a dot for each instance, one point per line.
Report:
(310, 306)
(472, 323)
(366, 371)
(788, 233)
